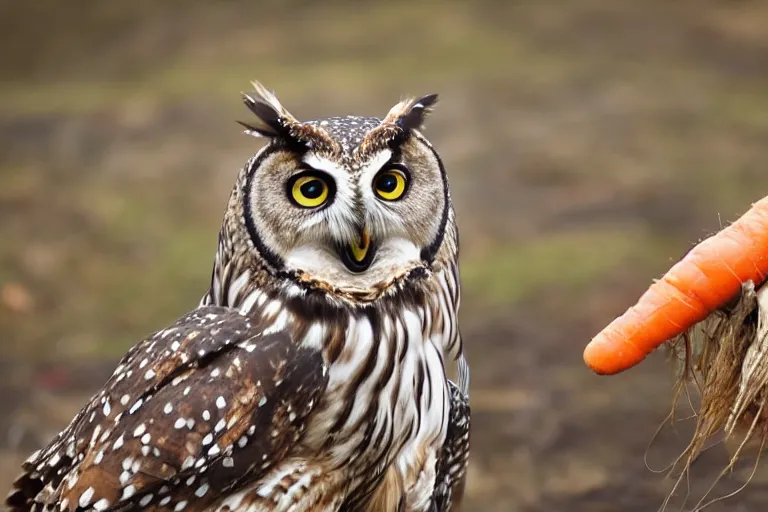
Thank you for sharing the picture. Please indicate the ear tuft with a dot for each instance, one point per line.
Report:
(272, 119)
(410, 114)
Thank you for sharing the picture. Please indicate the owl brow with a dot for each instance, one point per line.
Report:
(316, 138)
(384, 136)
(304, 137)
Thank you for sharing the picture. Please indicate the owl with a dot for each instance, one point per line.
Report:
(315, 373)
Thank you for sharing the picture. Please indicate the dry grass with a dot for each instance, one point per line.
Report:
(724, 360)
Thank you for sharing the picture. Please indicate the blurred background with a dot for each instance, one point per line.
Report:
(589, 144)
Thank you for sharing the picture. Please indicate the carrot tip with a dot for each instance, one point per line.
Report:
(604, 362)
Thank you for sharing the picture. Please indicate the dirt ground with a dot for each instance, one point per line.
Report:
(589, 144)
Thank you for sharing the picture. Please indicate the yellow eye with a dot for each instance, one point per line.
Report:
(309, 191)
(390, 184)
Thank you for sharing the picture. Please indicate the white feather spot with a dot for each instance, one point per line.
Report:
(200, 492)
(128, 492)
(86, 497)
(188, 462)
(135, 406)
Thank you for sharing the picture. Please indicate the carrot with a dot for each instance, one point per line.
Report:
(704, 280)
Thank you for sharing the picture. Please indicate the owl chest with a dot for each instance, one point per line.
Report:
(386, 404)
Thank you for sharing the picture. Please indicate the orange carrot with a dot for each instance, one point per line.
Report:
(705, 279)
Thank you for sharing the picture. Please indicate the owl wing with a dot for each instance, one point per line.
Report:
(452, 463)
(191, 412)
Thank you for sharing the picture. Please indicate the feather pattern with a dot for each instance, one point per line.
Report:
(452, 465)
(410, 114)
(272, 118)
(387, 399)
(183, 418)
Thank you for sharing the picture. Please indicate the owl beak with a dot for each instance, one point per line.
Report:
(360, 246)
(358, 254)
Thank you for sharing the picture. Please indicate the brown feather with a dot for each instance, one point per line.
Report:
(192, 411)
(410, 114)
(273, 119)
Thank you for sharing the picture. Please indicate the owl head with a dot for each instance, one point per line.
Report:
(351, 205)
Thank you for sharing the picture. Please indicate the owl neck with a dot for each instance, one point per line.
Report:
(239, 282)
(247, 288)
